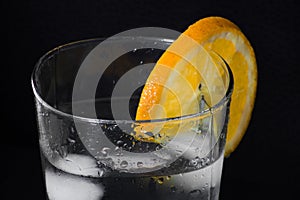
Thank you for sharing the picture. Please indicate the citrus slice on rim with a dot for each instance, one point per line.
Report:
(214, 34)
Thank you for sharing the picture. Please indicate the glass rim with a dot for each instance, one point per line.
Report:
(205, 112)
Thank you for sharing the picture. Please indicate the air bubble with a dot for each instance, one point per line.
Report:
(173, 189)
(193, 163)
(139, 164)
(160, 180)
(157, 148)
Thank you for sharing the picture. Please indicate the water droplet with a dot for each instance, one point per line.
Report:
(118, 151)
(71, 140)
(104, 151)
(195, 194)
(139, 164)
(141, 62)
(168, 177)
(134, 50)
(124, 164)
(120, 142)
(202, 175)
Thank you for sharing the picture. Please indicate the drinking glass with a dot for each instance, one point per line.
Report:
(88, 144)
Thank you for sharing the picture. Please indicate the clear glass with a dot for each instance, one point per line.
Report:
(88, 158)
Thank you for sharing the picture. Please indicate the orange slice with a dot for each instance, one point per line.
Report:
(214, 34)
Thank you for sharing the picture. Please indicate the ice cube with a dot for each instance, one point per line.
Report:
(78, 164)
(62, 186)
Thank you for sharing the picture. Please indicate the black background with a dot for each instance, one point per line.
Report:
(266, 163)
